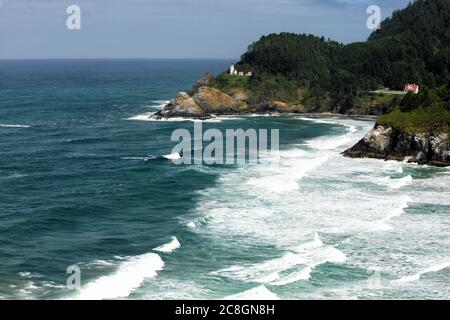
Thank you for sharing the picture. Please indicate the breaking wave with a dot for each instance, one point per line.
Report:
(169, 247)
(129, 275)
(416, 277)
(13, 126)
(258, 293)
(294, 266)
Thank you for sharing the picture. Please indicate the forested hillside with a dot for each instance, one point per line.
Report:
(412, 46)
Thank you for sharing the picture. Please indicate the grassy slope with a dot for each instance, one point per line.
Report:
(432, 120)
(427, 112)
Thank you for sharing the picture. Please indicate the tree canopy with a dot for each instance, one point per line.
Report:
(412, 46)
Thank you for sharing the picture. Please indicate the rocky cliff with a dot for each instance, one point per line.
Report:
(202, 103)
(205, 101)
(390, 143)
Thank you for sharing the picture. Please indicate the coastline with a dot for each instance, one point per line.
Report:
(395, 145)
(292, 114)
(205, 102)
(390, 143)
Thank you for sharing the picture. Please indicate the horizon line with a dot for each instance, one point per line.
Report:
(84, 58)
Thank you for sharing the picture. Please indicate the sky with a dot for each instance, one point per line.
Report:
(173, 28)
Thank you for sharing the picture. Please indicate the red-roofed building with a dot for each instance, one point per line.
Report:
(411, 88)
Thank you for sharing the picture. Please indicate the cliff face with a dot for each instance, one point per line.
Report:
(201, 103)
(393, 144)
(205, 101)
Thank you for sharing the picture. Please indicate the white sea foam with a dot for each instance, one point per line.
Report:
(382, 224)
(143, 117)
(400, 210)
(169, 247)
(150, 116)
(158, 104)
(303, 274)
(129, 276)
(259, 293)
(172, 156)
(342, 122)
(329, 143)
(416, 277)
(318, 120)
(392, 165)
(13, 126)
(287, 178)
(14, 176)
(396, 183)
(224, 118)
(138, 158)
(274, 207)
(279, 200)
(191, 225)
(161, 103)
(257, 115)
(294, 266)
(316, 243)
(274, 184)
(261, 272)
(25, 274)
(99, 263)
(29, 288)
(53, 285)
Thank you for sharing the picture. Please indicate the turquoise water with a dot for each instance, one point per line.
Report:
(84, 180)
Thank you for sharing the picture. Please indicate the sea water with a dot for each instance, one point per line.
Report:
(87, 179)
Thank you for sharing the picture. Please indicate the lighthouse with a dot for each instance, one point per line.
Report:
(233, 70)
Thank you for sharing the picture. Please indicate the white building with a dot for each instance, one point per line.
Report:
(234, 72)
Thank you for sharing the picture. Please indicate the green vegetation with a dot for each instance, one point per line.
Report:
(227, 82)
(413, 46)
(428, 111)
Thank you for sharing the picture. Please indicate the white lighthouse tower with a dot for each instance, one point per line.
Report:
(233, 70)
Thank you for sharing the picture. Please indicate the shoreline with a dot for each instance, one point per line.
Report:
(382, 150)
(274, 114)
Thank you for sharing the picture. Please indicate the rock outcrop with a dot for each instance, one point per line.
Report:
(206, 81)
(205, 101)
(390, 143)
(183, 105)
(202, 102)
(214, 101)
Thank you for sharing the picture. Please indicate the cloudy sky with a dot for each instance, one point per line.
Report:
(172, 28)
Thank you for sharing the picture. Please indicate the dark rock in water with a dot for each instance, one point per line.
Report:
(390, 143)
(421, 157)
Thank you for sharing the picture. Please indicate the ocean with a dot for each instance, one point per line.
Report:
(87, 180)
